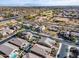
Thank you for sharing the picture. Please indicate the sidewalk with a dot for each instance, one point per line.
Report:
(59, 49)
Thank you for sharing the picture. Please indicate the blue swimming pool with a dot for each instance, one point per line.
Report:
(13, 55)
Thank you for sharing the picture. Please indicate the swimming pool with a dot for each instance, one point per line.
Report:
(13, 55)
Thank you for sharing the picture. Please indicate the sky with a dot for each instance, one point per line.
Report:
(39, 2)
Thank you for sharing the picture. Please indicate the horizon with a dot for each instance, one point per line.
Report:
(29, 3)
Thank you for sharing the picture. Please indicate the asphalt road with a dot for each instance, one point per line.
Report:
(63, 51)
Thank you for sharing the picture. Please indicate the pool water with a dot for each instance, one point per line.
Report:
(13, 55)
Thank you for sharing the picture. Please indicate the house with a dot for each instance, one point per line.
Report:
(1, 18)
(4, 34)
(16, 27)
(5, 49)
(74, 52)
(40, 19)
(37, 29)
(46, 41)
(27, 25)
(31, 55)
(2, 27)
(66, 34)
(54, 27)
(15, 49)
(35, 26)
(41, 50)
(75, 34)
(40, 28)
(13, 28)
(27, 35)
(14, 54)
(18, 42)
(13, 21)
(6, 31)
(10, 45)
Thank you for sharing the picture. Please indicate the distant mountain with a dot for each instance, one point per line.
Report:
(30, 5)
(40, 6)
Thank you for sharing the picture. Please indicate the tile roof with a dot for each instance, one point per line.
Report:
(46, 41)
(41, 50)
(31, 55)
(17, 41)
(5, 49)
(10, 45)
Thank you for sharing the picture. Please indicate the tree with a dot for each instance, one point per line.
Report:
(73, 38)
(1, 36)
(18, 34)
(10, 24)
